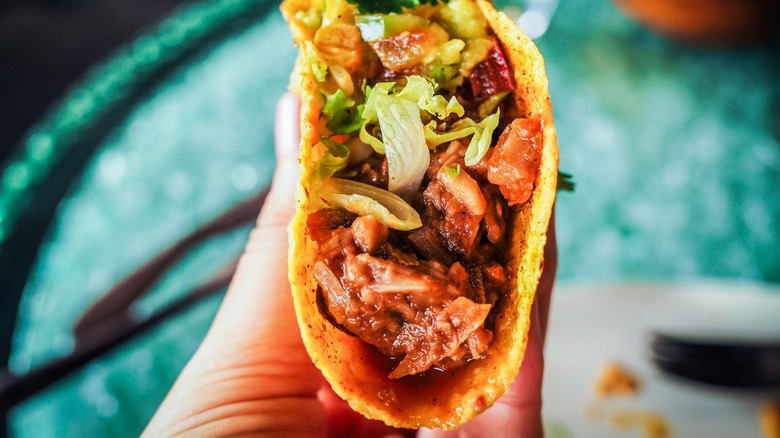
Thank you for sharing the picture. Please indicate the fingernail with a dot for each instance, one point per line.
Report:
(288, 125)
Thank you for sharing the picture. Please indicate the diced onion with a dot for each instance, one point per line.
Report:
(328, 280)
(466, 189)
(365, 199)
(480, 142)
(405, 147)
(342, 77)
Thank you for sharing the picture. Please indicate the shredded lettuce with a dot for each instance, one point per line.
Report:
(343, 116)
(369, 114)
(390, 121)
(405, 140)
(365, 199)
(482, 135)
(420, 90)
(464, 128)
(332, 161)
(318, 65)
(480, 142)
(380, 89)
(375, 143)
(405, 147)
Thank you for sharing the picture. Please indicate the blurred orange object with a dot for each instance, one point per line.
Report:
(769, 420)
(615, 379)
(707, 22)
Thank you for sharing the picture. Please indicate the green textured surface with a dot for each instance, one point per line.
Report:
(674, 150)
(198, 143)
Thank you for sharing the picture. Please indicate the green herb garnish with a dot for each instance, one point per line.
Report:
(331, 162)
(565, 182)
(318, 65)
(343, 116)
(452, 172)
(388, 6)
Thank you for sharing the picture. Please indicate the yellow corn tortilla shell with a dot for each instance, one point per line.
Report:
(357, 371)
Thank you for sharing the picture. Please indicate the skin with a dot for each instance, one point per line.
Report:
(251, 376)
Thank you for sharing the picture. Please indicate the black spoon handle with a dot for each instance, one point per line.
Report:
(726, 362)
(15, 389)
(115, 302)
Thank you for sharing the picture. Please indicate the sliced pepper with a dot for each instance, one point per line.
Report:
(377, 27)
(491, 76)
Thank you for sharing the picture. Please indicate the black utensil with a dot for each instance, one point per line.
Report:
(108, 323)
(728, 361)
(114, 304)
(16, 389)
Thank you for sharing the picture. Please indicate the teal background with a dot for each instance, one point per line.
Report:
(675, 151)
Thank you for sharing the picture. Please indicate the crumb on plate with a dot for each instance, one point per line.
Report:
(615, 379)
(769, 420)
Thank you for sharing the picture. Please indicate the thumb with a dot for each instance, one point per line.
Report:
(280, 204)
(260, 282)
(261, 277)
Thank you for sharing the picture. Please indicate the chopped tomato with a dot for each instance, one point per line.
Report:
(515, 159)
(491, 76)
(408, 49)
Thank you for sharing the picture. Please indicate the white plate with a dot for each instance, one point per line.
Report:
(595, 323)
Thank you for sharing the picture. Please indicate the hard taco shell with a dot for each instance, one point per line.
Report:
(354, 369)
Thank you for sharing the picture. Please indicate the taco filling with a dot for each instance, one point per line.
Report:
(421, 156)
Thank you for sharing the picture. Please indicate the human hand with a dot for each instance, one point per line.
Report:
(252, 375)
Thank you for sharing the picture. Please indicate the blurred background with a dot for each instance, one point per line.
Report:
(125, 125)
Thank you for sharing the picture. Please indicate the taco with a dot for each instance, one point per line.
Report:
(428, 174)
